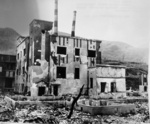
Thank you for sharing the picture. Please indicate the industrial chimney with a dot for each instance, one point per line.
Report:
(73, 24)
(56, 18)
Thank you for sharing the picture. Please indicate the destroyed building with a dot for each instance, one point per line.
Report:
(21, 64)
(107, 79)
(48, 59)
(137, 79)
(61, 60)
(7, 72)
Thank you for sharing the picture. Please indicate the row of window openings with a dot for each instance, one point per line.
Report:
(103, 86)
(76, 42)
(7, 58)
(63, 50)
(19, 55)
(7, 66)
(10, 74)
(61, 72)
(64, 43)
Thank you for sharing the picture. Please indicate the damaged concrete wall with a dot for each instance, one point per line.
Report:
(74, 58)
(36, 73)
(108, 79)
(64, 60)
(21, 68)
(38, 28)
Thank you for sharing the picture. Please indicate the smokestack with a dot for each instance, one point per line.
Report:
(56, 18)
(73, 24)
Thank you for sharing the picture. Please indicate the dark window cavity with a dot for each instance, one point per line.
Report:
(61, 72)
(91, 82)
(77, 52)
(77, 73)
(103, 85)
(91, 53)
(61, 50)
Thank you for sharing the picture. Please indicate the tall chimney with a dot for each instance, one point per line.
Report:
(73, 24)
(56, 18)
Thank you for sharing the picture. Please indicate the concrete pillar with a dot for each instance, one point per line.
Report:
(43, 38)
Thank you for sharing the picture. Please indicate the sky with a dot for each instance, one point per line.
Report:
(113, 20)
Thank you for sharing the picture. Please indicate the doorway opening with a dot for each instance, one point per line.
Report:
(113, 86)
(103, 85)
(41, 91)
(55, 90)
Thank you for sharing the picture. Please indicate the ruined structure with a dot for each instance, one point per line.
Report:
(7, 71)
(62, 61)
(137, 79)
(107, 79)
(22, 66)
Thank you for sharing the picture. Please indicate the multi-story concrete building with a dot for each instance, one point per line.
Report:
(7, 71)
(63, 61)
(21, 60)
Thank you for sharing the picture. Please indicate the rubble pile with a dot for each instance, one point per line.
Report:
(55, 115)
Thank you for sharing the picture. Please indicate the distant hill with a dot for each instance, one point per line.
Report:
(8, 42)
(123, 52)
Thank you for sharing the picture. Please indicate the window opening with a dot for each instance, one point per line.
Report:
(61, 72)
(61, 50)
(91, 53)
(103, 86)
(91, 82)
(113, 86)
(77, 73)
(77, 52)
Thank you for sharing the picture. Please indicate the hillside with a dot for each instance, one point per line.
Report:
(8, 42)
(123, 52)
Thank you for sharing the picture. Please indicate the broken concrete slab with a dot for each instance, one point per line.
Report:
(40, 98)
(105, 109)
(10, 102)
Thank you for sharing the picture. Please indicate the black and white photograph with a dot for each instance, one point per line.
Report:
(74, 61)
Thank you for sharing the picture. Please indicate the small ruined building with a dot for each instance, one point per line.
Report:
(137, 79)
(62, 61)
(107, 79)
(7, 72)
